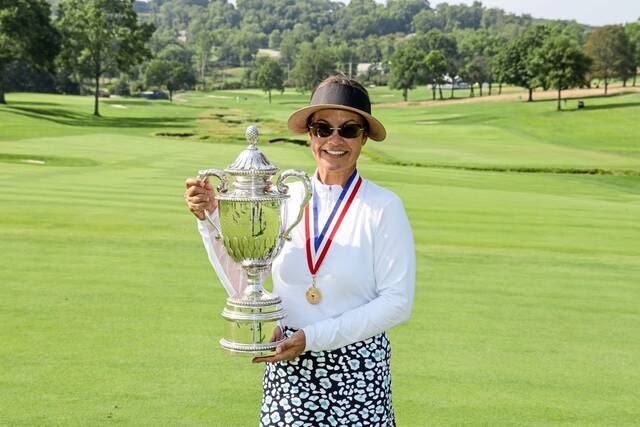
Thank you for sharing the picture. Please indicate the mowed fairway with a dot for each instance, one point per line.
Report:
(527, 308)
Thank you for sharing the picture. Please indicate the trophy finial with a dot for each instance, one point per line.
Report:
(252, 135)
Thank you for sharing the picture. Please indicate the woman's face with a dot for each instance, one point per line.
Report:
(335, 153)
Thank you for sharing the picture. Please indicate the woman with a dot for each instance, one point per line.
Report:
(347, 275)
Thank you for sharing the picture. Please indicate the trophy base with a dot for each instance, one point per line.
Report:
(251, 323)
(266, 349)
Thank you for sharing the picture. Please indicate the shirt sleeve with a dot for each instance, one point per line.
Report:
(395, 276)
(228, 271)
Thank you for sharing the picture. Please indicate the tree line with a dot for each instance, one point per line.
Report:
(75, 46)
(544, 56)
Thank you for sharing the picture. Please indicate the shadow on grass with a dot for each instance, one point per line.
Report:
(136, 102)
(197, 106)
(52, 104)
(300, 103)
(130, 101)
(573, 108)
(603, 96)
(578, 98)
(429, 120)
(378, 156)
(71, 118)
(605, 107)
(466, 119)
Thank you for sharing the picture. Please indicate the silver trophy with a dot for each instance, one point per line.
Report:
(253, 218)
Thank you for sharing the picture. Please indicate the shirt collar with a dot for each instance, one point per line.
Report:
(323, 189)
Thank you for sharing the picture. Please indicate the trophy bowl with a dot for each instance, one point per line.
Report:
(253, 228)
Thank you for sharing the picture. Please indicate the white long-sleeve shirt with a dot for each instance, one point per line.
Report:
(367, 279)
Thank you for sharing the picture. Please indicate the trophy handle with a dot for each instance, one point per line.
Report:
(282, 188)
(222, 188)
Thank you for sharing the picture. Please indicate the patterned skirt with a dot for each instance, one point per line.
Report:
(349, 386)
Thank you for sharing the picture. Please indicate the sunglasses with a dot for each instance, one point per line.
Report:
(324, 130)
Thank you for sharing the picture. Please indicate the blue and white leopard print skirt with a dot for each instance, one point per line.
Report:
(349, 386)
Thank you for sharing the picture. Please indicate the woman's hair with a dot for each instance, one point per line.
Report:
(340, 79)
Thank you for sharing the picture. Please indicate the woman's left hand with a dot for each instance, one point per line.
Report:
(289, 349)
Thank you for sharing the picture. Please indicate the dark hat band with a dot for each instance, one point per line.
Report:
(338, 94)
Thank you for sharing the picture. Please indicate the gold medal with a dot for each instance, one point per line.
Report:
(313, 295)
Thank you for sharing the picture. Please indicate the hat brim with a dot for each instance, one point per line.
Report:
(297, 122)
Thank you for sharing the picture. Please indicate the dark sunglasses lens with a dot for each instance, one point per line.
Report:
(322, 130)
(350, 131)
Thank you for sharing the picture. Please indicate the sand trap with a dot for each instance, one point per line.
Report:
(219, 96)
(119, 106)
(388, 95)
(34, 162)
(427, 122)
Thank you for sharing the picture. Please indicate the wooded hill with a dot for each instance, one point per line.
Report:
(185, 44)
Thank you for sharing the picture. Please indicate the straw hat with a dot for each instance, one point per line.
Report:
(340, 97)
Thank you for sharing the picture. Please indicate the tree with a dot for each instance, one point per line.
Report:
(407, 69)
(399, 14)
(313, 64)
(481, 47)
(446, 44)
(560, 64)
(269, 75)
(223, 14)
(427, 20)
(289, 49)
(435, 66)
(633, 32)
(346, 57)
(101, 36)
(172, 75)
(499, 68)
(612, 53)
(359, 19)
(176, 52)
(474, 72)
(202, 41)
(275, 38)
(245, 42)
(513, 62)
(26, 34)
(628, 66)
(476, 68)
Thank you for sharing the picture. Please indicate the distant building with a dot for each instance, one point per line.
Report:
(153, 94)
(363, 68)
(182, 35)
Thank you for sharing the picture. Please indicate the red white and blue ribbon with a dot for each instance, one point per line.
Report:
(318, 243)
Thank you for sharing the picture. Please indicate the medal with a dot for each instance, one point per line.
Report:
(313, 294)
(317, 251)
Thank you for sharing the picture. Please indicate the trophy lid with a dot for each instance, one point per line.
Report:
(251, 161)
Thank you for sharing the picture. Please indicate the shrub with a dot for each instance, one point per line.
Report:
(228, 85)
(121, 87)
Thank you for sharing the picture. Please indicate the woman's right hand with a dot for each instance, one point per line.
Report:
(199, 196)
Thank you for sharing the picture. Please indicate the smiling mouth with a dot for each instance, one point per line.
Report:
(335, 153)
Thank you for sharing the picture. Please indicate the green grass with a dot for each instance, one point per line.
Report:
(527, 305)
(231, 74)
(518, 134)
